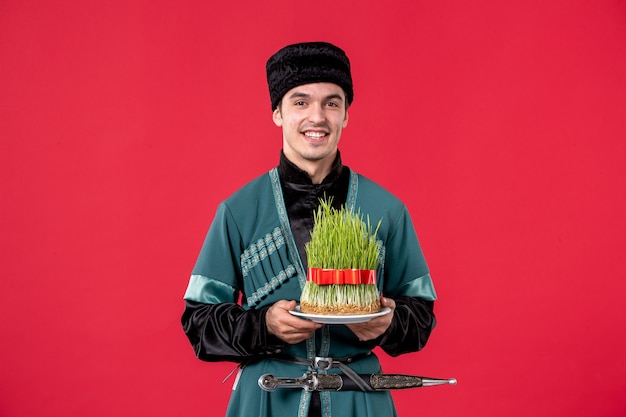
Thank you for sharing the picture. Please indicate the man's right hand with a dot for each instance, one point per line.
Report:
(286, 326)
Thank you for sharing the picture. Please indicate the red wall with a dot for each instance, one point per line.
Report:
(502, 125)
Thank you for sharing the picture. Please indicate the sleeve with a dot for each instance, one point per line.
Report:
(227, 332)
(412, 323)
(408, 283)
(218, 328)
(406, 271)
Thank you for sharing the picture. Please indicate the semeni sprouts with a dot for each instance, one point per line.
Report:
(342, 244)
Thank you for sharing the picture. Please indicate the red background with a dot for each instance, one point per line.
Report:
(502, 125)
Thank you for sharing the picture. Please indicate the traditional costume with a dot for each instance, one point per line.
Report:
(251, 251)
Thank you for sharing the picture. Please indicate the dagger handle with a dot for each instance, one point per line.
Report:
(269, 382)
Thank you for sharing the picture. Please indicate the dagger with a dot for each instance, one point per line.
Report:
(312, 381)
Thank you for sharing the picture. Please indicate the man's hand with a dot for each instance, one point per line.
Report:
(377, 326)
(286, 326)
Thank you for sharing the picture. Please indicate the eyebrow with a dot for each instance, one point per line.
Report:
(298, 94)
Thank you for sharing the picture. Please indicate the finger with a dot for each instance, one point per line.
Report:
(388, 302)
(294, 324)
(304, 325)
(285, 305)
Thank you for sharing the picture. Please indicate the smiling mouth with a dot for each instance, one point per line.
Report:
(315, 135)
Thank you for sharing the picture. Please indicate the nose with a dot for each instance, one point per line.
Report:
(316, 113)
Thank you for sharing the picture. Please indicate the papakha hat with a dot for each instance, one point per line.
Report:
(304, 63)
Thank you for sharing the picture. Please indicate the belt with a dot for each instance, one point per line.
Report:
(322, 363)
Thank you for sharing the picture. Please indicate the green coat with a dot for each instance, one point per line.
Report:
(250, 250)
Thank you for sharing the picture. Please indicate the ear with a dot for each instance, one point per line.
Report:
(345, 119)
(277, 117)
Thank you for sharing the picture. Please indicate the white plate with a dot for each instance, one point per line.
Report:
(344, 319)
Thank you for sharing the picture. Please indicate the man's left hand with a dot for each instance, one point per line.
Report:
(377, 326)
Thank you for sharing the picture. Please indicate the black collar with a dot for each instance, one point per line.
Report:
(289, 172)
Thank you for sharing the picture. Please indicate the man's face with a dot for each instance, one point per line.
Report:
(312, 117)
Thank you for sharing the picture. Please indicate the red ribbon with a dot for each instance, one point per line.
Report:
(322, 276)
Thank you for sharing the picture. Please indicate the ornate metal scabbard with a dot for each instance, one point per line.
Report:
(391, 381)
(312, 381)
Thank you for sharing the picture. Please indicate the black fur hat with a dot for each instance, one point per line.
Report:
(304, 63)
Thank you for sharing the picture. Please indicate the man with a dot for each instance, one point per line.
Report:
(254, 252)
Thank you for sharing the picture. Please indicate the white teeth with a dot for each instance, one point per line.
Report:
(315, 135)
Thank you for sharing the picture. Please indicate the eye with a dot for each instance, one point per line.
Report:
(300, 103)
(332, 104)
